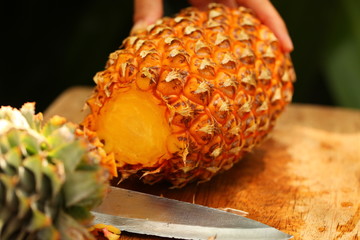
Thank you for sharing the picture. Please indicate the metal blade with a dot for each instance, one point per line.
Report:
(142, 213)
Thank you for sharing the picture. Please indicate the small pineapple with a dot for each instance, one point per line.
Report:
(51, 176)
(186, 98)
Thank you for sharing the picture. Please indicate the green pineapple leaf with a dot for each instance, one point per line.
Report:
(49, 181)
(70, 154)
(84, 192)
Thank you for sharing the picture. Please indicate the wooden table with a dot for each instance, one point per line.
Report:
(304, 179)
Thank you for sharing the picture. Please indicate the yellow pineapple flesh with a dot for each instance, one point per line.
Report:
(190, 95)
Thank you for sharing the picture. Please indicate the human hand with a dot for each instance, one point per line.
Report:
(147, 12)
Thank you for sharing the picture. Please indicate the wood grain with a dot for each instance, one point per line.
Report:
(304, 179)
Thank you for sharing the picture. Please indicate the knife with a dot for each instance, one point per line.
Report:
(137, 212)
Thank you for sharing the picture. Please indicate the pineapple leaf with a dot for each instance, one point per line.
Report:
(31, 144)
(79, 213)
(48, 233)
(81, 188)
(71, 229)
(58, 133)
(4, 196)
(50, 128)
(55, 174)
(23, 204)
(38, 220)
(40, 169)
(28, 111)
(34, 121)
(13, 138)
(3, 146)
(70, 154)
(2, 192)
(9, 204)
(27, 181)
(11, 161)
(33, 165)
(8, 184)
(11, 230)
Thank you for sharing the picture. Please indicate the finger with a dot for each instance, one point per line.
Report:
(270, 17)
(229, 3)
(146, 12)
(203, 4)
(200, 4)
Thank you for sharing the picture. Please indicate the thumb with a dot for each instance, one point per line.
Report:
(146, 12)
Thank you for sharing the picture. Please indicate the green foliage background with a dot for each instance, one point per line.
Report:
(52, 45)
(326, 36)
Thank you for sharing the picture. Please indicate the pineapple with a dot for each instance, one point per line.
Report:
(105, 232)
(186, 98)
(51, 176)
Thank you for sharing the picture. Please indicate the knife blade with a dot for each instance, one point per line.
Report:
(142, 213)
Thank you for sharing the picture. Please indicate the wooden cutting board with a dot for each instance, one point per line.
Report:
(304, 179)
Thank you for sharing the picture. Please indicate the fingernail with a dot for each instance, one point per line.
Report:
(139, 26)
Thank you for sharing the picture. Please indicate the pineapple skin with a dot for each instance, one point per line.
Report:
(221, 76)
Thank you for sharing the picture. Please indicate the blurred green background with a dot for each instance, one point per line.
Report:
(49, 46)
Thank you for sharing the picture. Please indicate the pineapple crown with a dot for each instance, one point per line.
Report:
(51, 176)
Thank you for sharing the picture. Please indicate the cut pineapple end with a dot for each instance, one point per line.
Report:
(134, 128)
